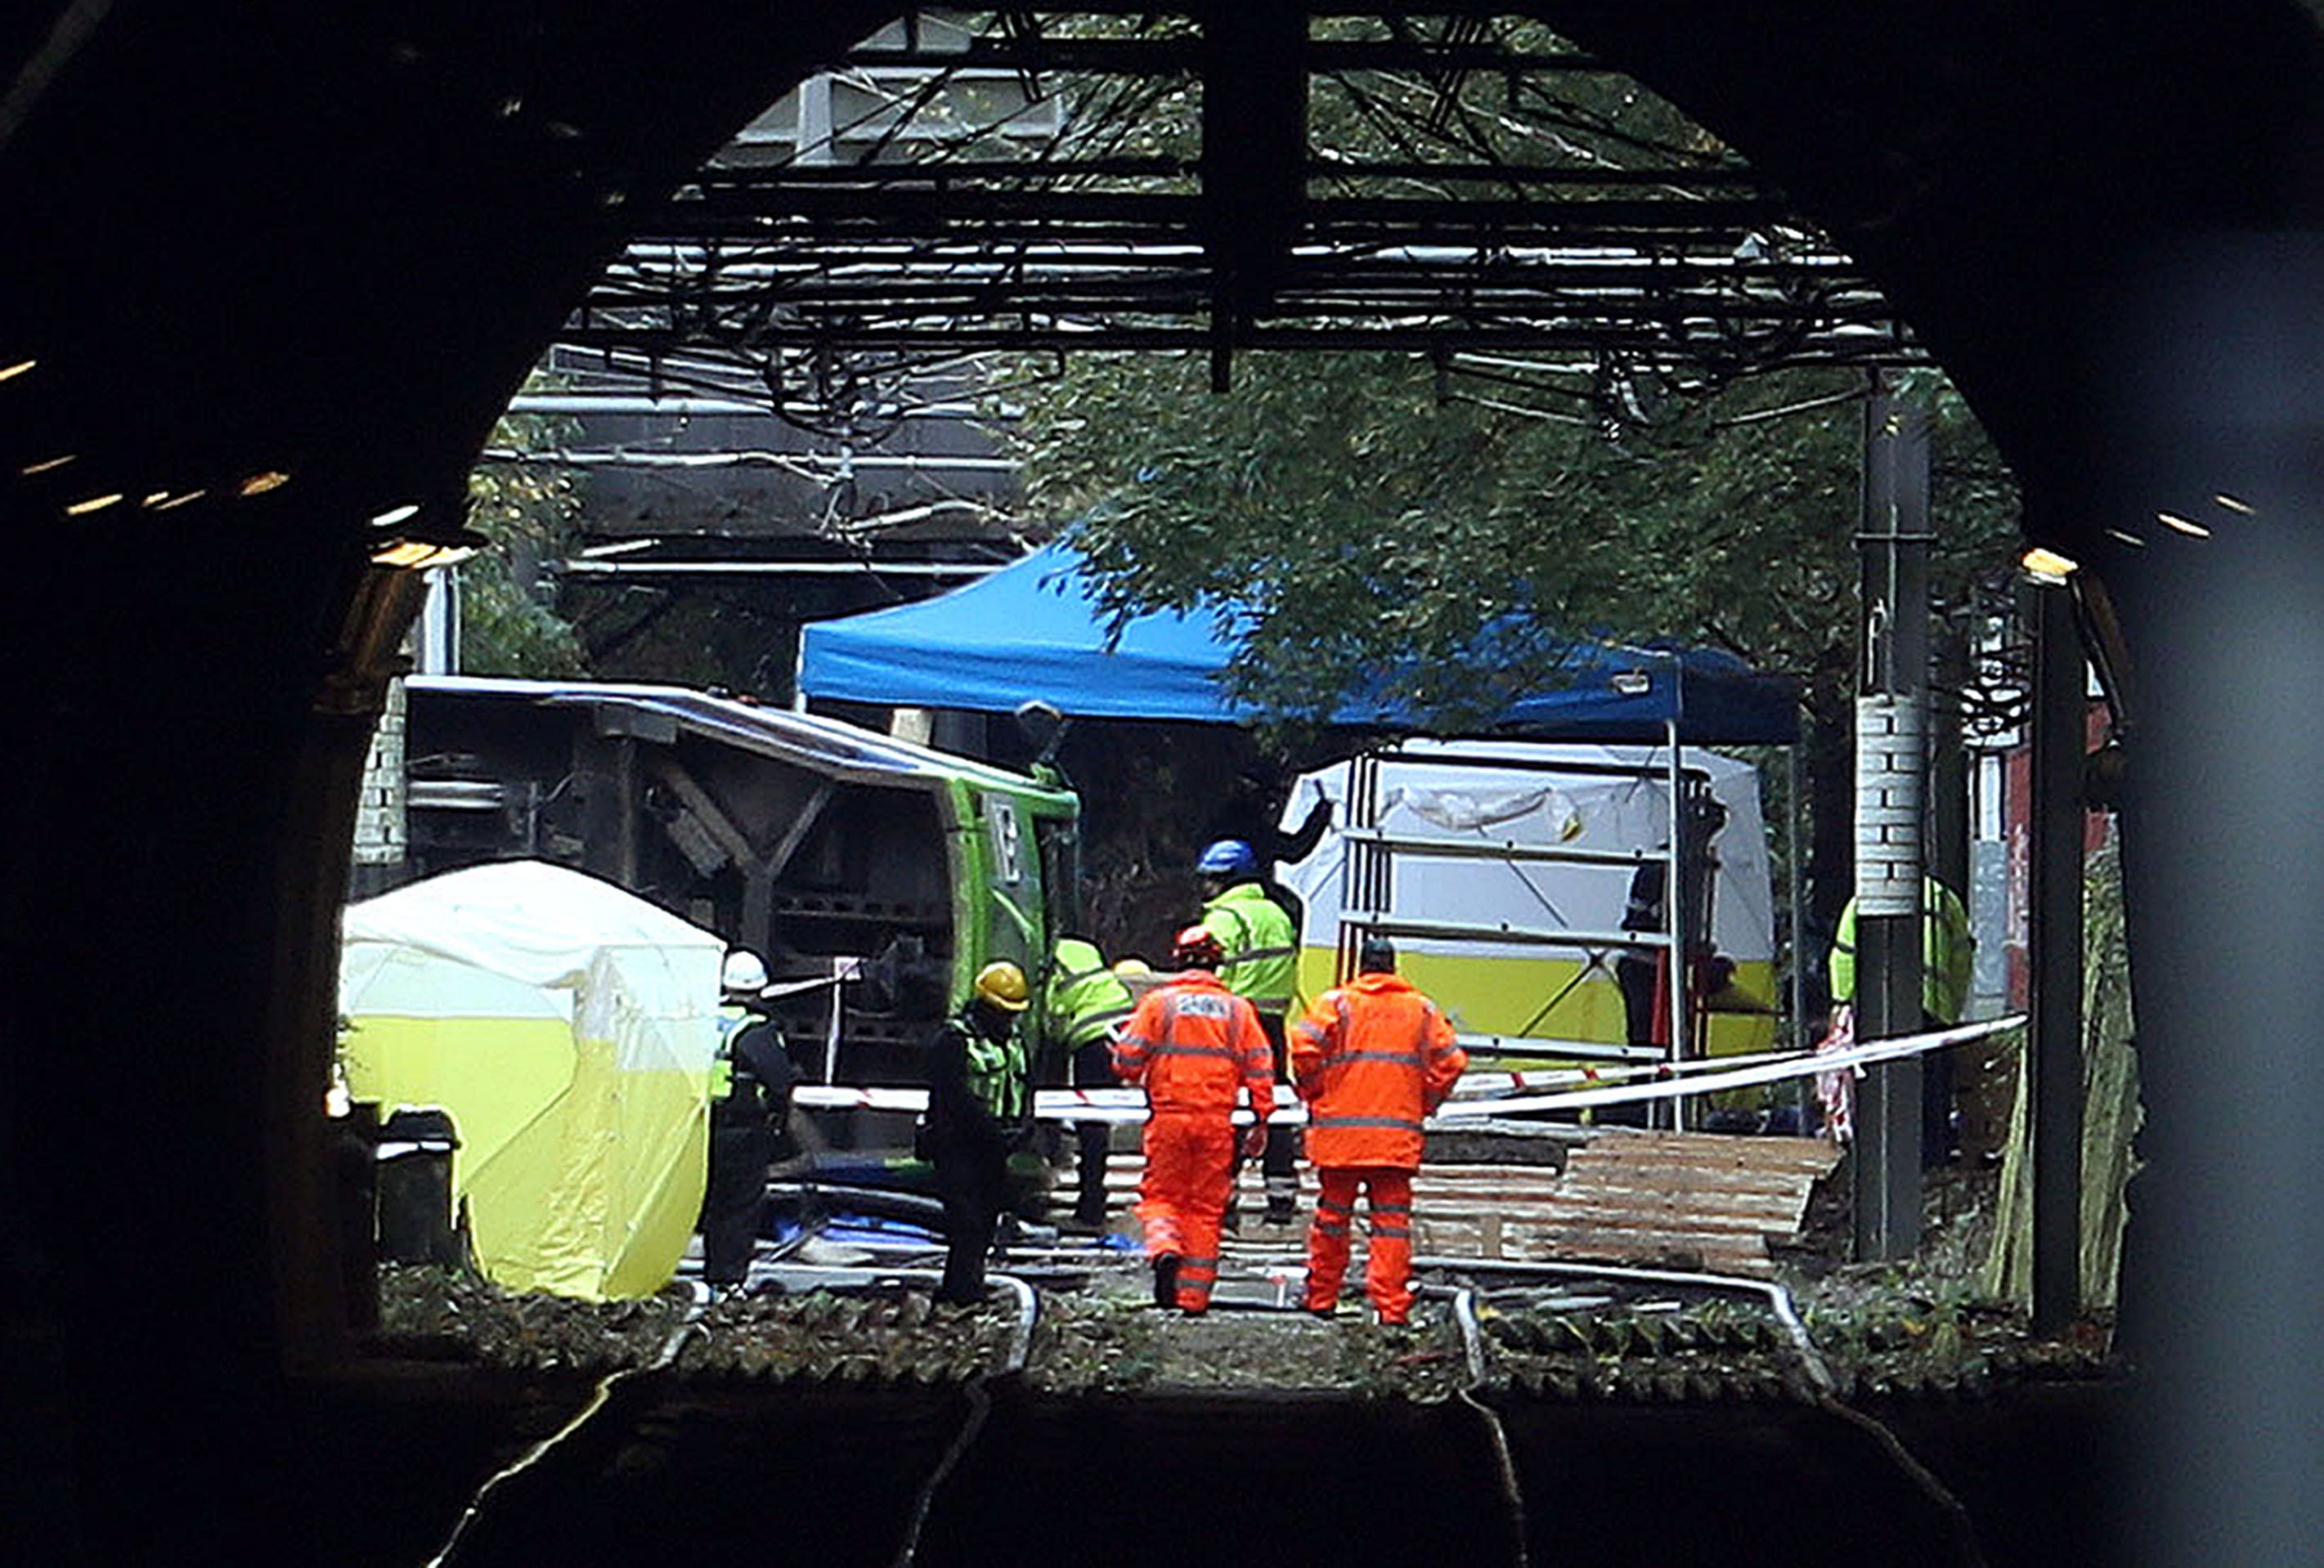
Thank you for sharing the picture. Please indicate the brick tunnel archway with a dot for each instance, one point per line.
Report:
(253, 241)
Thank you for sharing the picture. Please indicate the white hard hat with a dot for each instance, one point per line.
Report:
(744, 972)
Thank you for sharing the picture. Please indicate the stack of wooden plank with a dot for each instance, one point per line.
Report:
(1685, 1200)
(1671, 1200)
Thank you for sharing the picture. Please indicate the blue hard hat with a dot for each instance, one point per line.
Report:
(1226, 857)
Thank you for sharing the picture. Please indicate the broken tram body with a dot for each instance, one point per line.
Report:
(841, 855)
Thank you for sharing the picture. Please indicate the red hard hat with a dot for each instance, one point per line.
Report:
(1196, 948)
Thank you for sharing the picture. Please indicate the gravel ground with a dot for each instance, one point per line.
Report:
(1112, 1340)
(431, 1314)
(1913, 1327)
(1105, 1338)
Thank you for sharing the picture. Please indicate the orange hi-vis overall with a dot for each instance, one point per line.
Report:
(1371, 1058)
(1193, 1044)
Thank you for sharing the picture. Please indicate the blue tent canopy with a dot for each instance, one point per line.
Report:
(1035, 629)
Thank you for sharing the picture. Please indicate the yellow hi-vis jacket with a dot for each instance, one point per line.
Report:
(1084, 1000)
(733, 1019)
(1947, 950)
(1262, 951)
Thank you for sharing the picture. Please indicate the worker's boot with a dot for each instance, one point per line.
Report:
(1279, 1212)
(1165, 1279)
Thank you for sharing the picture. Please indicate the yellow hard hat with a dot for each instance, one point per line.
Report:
(1002, 984)
(1131, 968)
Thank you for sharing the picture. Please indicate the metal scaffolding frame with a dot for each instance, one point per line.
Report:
(1165, 199)
(1367, 901)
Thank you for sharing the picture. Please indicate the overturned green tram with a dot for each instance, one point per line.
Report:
(874, 875)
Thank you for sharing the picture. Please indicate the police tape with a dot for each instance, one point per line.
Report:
(1475, 1085)
(1077, 1105)
(1048, 1105)
(1791, 1064)
(1488, 1098)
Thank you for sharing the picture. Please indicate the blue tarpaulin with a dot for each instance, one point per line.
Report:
(1033, 630)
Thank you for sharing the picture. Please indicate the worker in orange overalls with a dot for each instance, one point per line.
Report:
(1195, 1045)
(1371, 1058)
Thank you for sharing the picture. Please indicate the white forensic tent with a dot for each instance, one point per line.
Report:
(1526, 990)
(568, 1028)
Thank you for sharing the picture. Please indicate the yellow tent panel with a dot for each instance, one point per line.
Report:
(568, 1028)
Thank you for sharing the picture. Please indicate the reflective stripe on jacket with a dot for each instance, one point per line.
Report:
(996, 1076)
(1262, 950)
(1192, 1044)
(1084, 999)
(1372, 1059)
(1947, 951)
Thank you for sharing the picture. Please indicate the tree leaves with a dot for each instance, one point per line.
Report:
(1370, 534)
(509, 624)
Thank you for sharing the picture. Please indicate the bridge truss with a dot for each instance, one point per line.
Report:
(963, 192)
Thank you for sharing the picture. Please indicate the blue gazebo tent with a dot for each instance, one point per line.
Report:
(1035, 631)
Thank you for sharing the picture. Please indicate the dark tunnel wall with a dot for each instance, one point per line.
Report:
(1999, 168)
(253, 240)
(247, 240)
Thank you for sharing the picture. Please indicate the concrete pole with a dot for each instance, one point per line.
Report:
(1891, 774)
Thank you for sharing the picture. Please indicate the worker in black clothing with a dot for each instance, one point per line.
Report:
(979, 1110)
(1638, 971)
(751, 1083)
(1643, 973)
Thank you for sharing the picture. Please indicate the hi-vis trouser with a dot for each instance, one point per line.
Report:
(1388, 1273)
(1188, 1156)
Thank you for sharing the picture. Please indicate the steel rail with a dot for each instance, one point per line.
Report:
(953, 172)
(1779, 1299)
(696, 255)
(1341, 302)
(1375, 283)
(1387, 921)
(1186, 54)
(599, 1397)
(1473, 1346)
(841, 1276)
(1546, 326)
(906, 291)
(1110, 336)
(803, 206)
(1497, 849)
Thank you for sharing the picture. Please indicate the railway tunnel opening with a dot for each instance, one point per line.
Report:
(225, 798)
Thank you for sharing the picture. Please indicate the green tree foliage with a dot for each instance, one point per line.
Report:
(1363, 517)
(1433, 530)
(1362, 527)
(508, 621)
(1364, 535)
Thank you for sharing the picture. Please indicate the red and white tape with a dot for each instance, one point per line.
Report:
(1480, 1094)
(1722, 1074)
